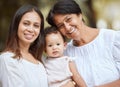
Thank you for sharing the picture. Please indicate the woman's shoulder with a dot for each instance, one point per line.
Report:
(6, 55)
(107, 31)
(107, 34)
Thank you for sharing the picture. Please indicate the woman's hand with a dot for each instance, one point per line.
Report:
(69, 84)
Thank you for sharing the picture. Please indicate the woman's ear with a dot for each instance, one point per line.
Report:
(80, 16)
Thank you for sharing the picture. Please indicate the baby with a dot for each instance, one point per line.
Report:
(60, 69)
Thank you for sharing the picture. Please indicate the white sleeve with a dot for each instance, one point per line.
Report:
(9, 74)
(3, 74)
(116, 49)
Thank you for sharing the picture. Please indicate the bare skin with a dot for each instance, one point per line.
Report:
(69, 84)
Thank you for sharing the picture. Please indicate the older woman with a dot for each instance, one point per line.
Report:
(96, 51)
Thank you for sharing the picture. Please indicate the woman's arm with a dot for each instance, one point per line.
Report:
(111, 84)
(76, 76)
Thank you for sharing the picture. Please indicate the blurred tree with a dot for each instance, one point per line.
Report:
(91, 15)
(7, 8)
(88, 12)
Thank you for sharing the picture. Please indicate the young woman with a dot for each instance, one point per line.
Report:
(20, 62)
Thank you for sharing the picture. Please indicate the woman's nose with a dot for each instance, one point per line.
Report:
(67, 26)
(30, 28)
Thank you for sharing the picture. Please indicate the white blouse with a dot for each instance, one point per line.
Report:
(21, 73)
(98, 61)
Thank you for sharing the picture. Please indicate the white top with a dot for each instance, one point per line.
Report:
(98, 61)
(58, 71)
(21, 73)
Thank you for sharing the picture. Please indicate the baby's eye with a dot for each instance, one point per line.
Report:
(58, 43)
(49, 45)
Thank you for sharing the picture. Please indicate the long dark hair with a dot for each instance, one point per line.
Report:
(63, 7)
(12, 44)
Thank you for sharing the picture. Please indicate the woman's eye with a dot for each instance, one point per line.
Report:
(26, 23)
(60, 26)
(37, 26)
(68, 20)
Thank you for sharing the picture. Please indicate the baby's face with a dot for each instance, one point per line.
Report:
(54, 45)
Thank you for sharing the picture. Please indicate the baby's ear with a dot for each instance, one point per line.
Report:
(65, 45)
(44, 50)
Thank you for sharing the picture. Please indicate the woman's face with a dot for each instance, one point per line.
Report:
(29, 28)
(69, 24)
